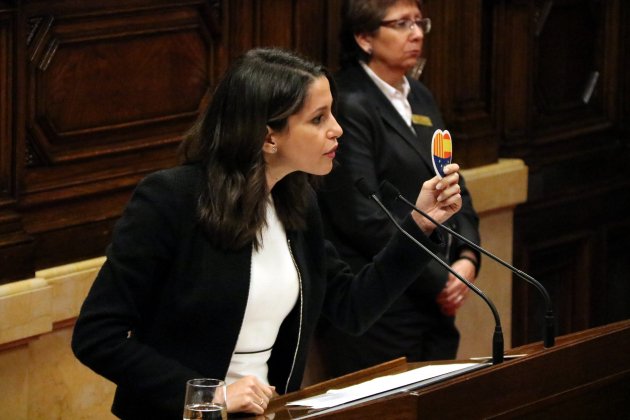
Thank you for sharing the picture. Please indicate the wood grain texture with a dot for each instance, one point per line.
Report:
(94, 95)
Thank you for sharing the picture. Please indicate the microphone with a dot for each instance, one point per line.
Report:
(548, 333)
(497, 341)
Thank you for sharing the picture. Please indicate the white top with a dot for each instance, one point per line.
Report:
(398, 98)
(273, 292)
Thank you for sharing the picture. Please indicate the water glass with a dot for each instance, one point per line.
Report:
(205, 400)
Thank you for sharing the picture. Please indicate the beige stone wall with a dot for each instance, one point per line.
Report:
(496, 190)
(41, 379)
(39, 376)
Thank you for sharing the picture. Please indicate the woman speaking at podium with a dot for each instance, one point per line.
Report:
(218, 268)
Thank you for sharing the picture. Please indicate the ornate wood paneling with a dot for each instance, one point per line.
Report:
(7, 138)
(107, 90)
(301, 25)
(559, 62)
(16, 245)
(560, 108)
(93, 95)
(460, 54)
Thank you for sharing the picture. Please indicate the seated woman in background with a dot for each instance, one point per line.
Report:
(218, 268)
(388, 121)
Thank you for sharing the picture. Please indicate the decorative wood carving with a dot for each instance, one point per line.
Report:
(16, 245)
(95, 94)
(108, 90)
(460, 53)
(560, 111)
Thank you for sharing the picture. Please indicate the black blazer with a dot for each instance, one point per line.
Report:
(378, 145)
(167, 306)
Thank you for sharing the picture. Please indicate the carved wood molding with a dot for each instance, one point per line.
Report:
(459, 53)
(16, 246)
(558, 73)
(88, 83)
(95, 96)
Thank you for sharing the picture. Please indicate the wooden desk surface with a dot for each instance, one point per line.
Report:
(585, 372)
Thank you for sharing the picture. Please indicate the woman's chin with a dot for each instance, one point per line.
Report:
(324, 170)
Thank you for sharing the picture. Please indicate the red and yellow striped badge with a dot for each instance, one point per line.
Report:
(442, 151)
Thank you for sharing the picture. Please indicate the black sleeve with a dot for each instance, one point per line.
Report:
(354, 302)
(120, 299)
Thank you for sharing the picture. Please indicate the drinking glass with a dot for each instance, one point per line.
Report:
(205, 400)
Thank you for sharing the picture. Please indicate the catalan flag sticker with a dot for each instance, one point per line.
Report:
(441, 150)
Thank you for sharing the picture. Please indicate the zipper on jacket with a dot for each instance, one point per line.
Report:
(297, 345)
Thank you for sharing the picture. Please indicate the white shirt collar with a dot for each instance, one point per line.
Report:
(396, 97)
(386, 88)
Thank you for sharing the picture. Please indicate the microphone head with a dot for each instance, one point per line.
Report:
(388, 191)
(363, 187)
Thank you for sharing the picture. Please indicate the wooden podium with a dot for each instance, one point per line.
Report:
(586, 375)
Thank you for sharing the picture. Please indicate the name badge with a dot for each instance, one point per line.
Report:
(421, 120)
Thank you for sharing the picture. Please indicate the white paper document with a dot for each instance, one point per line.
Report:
(381, 384)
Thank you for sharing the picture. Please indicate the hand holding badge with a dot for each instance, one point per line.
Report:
(441, 151)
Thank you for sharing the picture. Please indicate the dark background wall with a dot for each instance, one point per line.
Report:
(94, 95)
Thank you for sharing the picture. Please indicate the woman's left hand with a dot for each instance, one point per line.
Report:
(248, 395)
(452, 297)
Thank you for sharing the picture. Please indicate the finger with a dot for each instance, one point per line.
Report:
(448, 180)
(450, 168)
(269, 391)
(451, 191)
(452, 307)
(452, 203)
(451, 288)
(431, 184)
(257, 405)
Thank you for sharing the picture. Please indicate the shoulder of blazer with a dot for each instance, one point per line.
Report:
(183, 178)
(420, 90)
(357, 94)
(352, 79)
(173, 192)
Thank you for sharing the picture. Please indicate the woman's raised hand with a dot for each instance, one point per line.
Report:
(439, 198)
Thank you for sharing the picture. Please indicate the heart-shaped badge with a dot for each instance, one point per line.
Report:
(441, 150)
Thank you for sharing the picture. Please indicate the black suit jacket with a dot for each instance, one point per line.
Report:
(167, 305)
(378, 145)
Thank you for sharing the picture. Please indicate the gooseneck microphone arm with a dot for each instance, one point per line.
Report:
(549, 334)
(497, 341)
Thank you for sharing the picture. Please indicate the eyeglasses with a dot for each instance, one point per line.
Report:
(406, 24)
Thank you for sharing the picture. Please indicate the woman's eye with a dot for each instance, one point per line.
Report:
(401, 23)
(317, 119)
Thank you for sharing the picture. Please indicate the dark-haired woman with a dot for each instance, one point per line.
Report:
(218, 267)
(388, 120)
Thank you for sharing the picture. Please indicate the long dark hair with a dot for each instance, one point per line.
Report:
(261, 89)
(361, 17)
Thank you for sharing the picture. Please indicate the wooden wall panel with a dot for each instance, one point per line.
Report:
(552, 53)
(16, 245)
(624, 74)
(95, 94)
(560, 109)
(276, 23)
(302, 25)
(312, 30)
(108, 90)
(460, 53)
(7, 84)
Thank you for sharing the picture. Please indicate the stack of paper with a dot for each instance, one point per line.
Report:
(399, 382)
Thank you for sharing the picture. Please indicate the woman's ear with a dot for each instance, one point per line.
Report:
(364, 41)
(270, 146)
